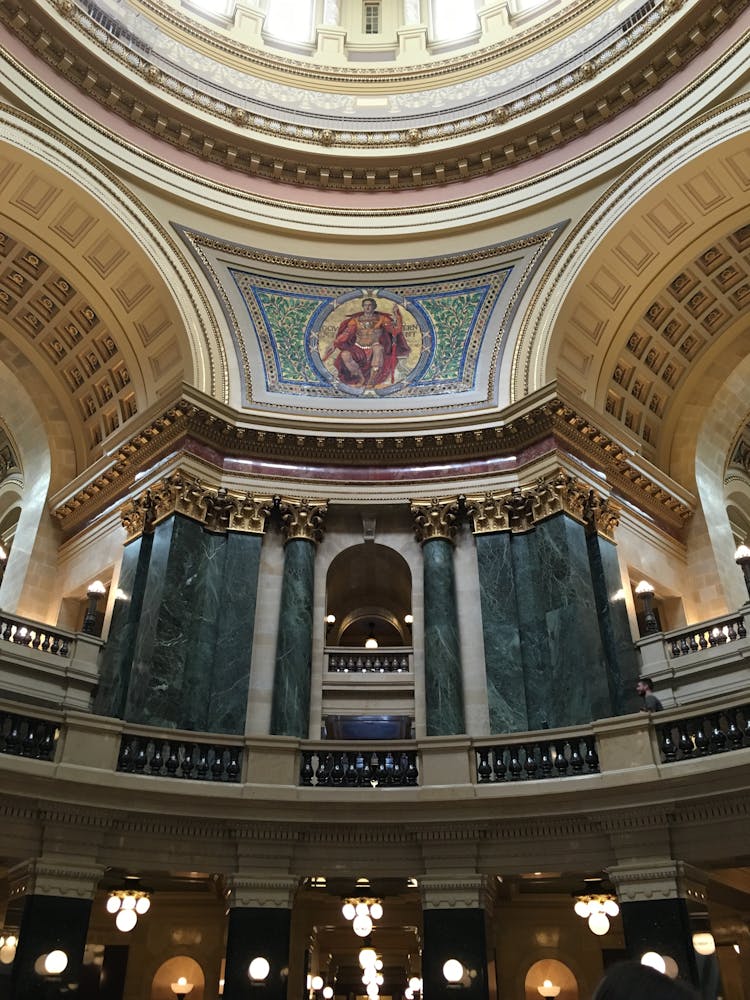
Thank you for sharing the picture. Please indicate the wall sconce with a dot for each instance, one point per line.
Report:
(548, 989)
(182, 987)
(128, 905)
(453, 971)
(742, 558)
(258, 970)
(646, 593)
(703, 943)
(95, 591)
(409, 618)
(55, 963)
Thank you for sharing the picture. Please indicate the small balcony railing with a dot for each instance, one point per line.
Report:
(529, 759)
(396, 660)
(706, 636)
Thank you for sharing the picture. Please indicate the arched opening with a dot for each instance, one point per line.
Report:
(368, 596)
(171, 971)
(548, 975)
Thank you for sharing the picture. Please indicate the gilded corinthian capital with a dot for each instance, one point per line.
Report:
(216, 508)
(300, 519)
(435, 519)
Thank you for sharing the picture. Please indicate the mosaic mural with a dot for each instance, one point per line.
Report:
(382, 341)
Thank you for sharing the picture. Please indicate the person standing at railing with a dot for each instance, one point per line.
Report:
(645, 689)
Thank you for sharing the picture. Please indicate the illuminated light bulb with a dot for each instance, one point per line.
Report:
(453, 971)
(128, 903)
(367, 956)
(317, 982)
(366, 977)
(258, 969)
(143, 905)
(373, 991)
(126, 920)
(582, 909)
(654, 961)
(671, 968)
(348, 911)
(548, 990)
(7, 954)
(595, 906)
(327, 992)
(362, 909)
(113, 904)
(362, 926)
(11, 940)
(704, 943)
(599, 923)
(415, 984)
(611, 908)
(379, 964)
(376, 911)
(380, 979)
(55, 963)
(409, 993)
(736, 948)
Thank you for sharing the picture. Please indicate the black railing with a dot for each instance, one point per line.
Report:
(537, 759)
(707, 636)
(25, 736)
(165, 758)
(359, 768)
(368, 663)
(704, 735)
(34, 636)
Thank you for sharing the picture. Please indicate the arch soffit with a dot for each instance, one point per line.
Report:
(132, 271)
(666, 209)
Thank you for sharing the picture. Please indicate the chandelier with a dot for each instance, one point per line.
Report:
(128, 905)
(597, 909)
(362, 912)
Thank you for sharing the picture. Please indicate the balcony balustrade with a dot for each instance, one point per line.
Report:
(395, 660)
(47, 666)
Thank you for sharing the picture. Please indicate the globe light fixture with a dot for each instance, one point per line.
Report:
(415, 984)
(55, 963)
(258, 969)
(142, 905)
(126, 920)
(742, 558)
(376, 911)
(362, 925)
(703, 943)
(327, 992)
(453, 971)
(316, 983)
(582, 909)
(599, 923)
(654, 961)
(349, 911)
(367, 956)
(182, 987)
(113, 904)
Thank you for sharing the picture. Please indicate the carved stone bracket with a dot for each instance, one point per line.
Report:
(435, 519)
(271, 892)
(43, 877)
(301, 519)
(461, 892)
(649, 879)
(217, 509)
(519, 509)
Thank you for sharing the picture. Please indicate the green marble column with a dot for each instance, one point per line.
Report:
(444, 696)
(290, 706)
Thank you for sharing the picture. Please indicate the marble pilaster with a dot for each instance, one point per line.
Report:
(506, 692)
(443, 680)
(259, 926)
(117, 655)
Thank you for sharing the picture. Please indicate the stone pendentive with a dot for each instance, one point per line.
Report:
(556, 650)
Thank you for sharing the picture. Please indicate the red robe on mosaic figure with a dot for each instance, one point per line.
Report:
(369, 345)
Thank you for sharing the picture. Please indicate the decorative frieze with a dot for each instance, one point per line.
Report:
(519, 509)
(464, 891)
(649, 879)
(42, 877)
(271, 892)
(301, 519)
(435, 519)
(217, 509)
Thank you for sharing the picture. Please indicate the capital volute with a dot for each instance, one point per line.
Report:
(301, 519)
(487, 513)
(435, 519)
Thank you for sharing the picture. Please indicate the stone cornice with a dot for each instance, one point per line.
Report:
(130, 83)
(45, 877)
(647, 879)
(552, 425)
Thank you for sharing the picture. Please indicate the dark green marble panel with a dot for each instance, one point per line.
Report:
(620, 654)
(565, 672)
(117, 654)
(227, 704)
(208, 593)
(172, 593)
(443, 682)
(290, 708)
(506, 694)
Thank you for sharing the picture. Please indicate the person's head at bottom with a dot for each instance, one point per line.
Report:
(630, 980)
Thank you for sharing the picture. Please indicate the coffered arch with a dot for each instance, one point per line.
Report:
(616, 263)
(94, 291)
